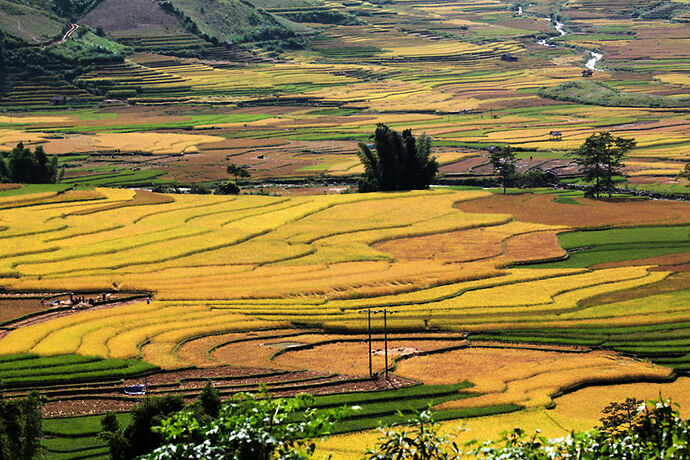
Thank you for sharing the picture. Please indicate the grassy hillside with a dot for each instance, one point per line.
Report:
(30, 23)
(133, 17)
(37, 21)
(231, 19)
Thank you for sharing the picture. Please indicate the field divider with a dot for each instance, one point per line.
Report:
(32, 233)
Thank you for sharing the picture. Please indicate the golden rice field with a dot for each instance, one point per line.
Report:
(219, 267)
(277, 284)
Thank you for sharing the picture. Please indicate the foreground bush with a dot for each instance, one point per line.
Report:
(654, 431)
(249, 427)
(419, 442)
(631, 430)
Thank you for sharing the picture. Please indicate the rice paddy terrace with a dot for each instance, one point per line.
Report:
(486, 309)
(499, 304)
(471, 74)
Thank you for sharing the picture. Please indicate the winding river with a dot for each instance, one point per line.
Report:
(591, 64)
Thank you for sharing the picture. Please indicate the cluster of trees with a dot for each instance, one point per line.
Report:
(600, 160)
(73, 8)
(22, 165)
(599, 157)
(3, 75)
(20, 427)
(139, 438)
(397, 161)
(324, 17)
(247, 427)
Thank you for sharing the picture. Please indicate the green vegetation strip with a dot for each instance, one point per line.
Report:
(78, 434)
(394, 406)
(589, 248)
(30, 370)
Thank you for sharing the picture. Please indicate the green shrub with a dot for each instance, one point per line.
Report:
(654, 431)
(227, 188)
(598, 93)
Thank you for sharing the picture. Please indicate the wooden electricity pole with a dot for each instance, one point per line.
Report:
(385, 338)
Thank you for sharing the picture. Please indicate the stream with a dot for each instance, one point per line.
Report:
(591, 64)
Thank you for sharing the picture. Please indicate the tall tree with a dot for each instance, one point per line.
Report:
(503, 161)
(20, 427)
(27, 167)
(600, 160)
(397, 161)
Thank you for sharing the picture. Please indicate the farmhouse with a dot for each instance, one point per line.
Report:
(58, 100)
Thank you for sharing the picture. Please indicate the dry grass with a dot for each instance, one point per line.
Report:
(14, 308)
(550, 424)
(197, 351)
(140, 198)
(157, 143)
(474, 244)
(69, 196)
(533, 246)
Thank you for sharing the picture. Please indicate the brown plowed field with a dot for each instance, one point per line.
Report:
(541, 209)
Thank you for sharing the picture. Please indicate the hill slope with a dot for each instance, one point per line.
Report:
(32, 23)
(128, 17)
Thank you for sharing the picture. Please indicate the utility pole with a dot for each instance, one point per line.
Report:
(385, 339)
(371, 370)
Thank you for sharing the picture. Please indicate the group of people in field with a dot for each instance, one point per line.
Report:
(76, 301)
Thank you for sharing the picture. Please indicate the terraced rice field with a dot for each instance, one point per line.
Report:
(498, 303)
(260, 289)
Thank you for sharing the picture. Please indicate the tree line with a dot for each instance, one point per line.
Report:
(262, 427)
(599, 157)
(401, 161)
